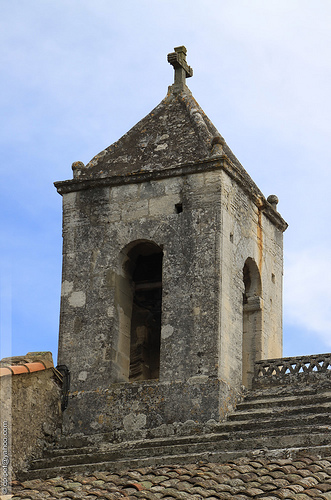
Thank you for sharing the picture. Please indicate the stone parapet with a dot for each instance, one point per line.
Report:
(285, 371)
(149, 409)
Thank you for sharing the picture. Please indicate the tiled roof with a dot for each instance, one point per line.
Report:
(25, 368)
(302, 478)
(31, 362)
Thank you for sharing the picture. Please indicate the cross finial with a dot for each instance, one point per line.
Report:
(182, 70)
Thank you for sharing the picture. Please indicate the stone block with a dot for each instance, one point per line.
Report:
(114, 214)
(134, 210)
(125, 193)
(164, 205)
(213, 178)
(195, 182)
(124, 342)
(174, 185)
(152, 189)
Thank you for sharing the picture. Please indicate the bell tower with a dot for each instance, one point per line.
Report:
(172, 275)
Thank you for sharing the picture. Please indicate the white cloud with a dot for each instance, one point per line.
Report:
(307, 291)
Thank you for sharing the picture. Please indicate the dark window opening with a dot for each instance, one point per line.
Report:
(146, 314)
(179, 208)
(252, 321)
(247, 282)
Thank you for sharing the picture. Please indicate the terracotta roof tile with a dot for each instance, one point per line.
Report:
(16, 370)
(265, 478)
(31, 362)
(324, 487)
(35, 367)
(5, 371)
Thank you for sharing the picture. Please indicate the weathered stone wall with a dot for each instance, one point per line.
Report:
(246, 233)
(147, 409)
(98, 226)
(31, 405)
(103, 222)
(205, 247)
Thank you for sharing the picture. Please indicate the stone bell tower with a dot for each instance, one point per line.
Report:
(172, 275)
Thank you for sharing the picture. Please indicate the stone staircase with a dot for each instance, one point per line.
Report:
(270, 420)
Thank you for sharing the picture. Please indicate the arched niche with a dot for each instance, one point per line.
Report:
(139, 303)
(252, 320)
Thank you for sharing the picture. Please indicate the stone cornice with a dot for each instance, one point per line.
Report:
(221, 162)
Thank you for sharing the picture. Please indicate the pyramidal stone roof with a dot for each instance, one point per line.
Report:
(176, 132)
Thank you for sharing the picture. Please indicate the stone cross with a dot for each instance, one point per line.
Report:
(182, 70)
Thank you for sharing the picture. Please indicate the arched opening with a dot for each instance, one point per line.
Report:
(139, 307)
(145, 335)
(252, 321)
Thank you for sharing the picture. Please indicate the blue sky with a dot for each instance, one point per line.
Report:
(77, 74)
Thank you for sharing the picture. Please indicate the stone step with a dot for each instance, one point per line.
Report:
(175, 448)
(185, 458)
(183, 440)
(210, 445)
(249, 422)
(120, 465)
(284, 391)
(278, 411)
(250, 403)
(232, 430)
(269, 421)
(278, 401)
